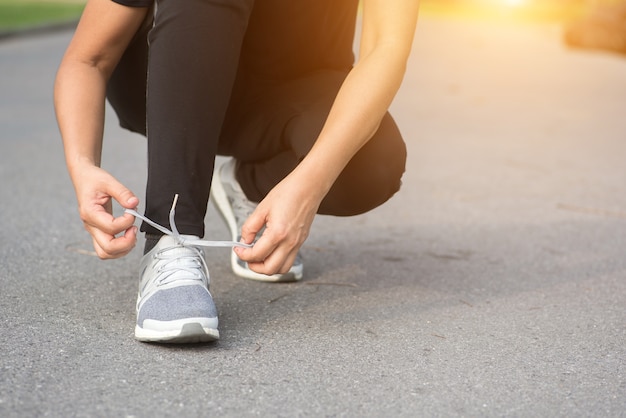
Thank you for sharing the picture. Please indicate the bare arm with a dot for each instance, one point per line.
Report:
(367, 92)
(104, 31)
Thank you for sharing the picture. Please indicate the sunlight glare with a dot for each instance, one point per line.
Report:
(514, 3)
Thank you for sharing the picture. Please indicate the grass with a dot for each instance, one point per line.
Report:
(17, 14)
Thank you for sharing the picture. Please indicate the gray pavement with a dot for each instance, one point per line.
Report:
(493, 284)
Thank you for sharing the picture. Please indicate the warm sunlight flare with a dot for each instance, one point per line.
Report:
(514, 3)
(507, 10)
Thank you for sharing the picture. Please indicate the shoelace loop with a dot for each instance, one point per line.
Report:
(171, 264)
(184, 241)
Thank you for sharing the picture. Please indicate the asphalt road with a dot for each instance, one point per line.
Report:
(493, 284)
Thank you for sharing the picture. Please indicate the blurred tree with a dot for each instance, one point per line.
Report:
(602, 28)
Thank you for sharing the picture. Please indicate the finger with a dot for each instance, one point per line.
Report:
(122, 194)
(252, 226)
(268, 266)
(271, 255)
(271, 239)
(277, 262)
(108, 246)
(288, 262)
(259, 252)
(99, 218)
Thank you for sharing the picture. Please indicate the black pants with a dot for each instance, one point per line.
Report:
(199, 105)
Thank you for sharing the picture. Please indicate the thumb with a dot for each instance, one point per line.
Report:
(252, 226)
(122, 195)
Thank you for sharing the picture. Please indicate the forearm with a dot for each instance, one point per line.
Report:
(104, 31)
(367, 92)
(355, 116)
(79, 98)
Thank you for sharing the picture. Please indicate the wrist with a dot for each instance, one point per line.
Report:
(317, 177)
(77, 164)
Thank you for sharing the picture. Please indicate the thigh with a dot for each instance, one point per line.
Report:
(272, 117)
(274, 126)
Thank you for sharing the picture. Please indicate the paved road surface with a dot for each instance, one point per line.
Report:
(493, 284)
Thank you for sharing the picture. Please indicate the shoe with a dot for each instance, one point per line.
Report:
(174, 304)
(231, 202)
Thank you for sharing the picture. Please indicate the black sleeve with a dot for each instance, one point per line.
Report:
(135, 3)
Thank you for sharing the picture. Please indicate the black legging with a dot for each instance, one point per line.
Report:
(268, 124)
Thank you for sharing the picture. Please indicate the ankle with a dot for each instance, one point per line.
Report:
(151, 242)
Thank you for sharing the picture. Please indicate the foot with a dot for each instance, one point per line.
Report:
(174, 304)
(235, 208)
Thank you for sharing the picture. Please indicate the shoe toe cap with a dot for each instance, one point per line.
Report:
(178, 303)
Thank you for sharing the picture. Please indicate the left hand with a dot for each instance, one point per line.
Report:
(287, 213)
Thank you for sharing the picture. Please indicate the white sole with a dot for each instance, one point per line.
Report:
(189, 330)
(220, 201)
(291, 276)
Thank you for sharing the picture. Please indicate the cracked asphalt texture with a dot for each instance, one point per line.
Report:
(493, 284)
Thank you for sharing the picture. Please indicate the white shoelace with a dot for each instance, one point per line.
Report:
(185, 240)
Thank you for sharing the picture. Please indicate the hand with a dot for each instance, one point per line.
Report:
(287, 213)
(95, 189)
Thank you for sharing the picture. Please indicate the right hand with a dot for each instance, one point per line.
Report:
(287, 213)
(95, 191)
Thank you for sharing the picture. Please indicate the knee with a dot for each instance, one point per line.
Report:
(381, 178)
(371, 178)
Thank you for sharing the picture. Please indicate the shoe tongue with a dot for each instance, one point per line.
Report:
(182, 256)
(189, 237)
(169, 240)
(179, 251)
(170, 244)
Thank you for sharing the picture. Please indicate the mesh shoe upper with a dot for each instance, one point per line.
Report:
(173, 291)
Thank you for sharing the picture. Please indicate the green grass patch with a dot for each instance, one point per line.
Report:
(18, 14)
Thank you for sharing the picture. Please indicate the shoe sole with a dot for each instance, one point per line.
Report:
(221, 203)
(194, 331)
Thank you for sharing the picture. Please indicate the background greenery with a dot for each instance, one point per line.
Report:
(17, 14)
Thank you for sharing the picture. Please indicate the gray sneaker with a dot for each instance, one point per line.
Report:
(231, 202)
(174, 304)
